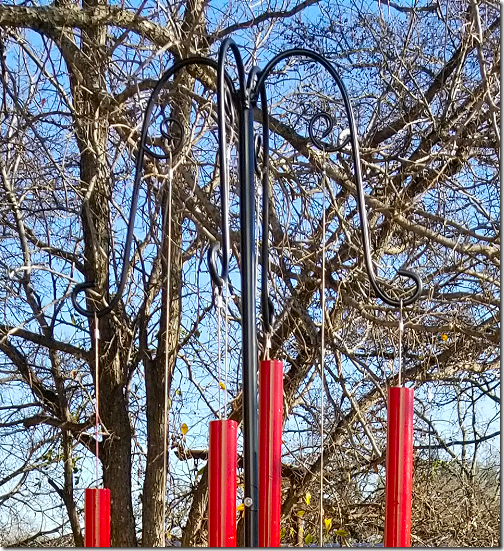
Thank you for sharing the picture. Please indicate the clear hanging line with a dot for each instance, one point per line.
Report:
(258, 220)
(97, 394)
(226, 346)
(401, 331)
(267, 345)
(322, 354)
(225, 290)
(260, 200)
(167, 342)
(218, 305)
(267, 335)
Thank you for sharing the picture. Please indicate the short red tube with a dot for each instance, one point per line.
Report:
(270, 451)
(222, 465)
(97, 517)
(399, 470)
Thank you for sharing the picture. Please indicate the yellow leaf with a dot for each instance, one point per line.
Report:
(241, 507)
(222, 385)
(328, 524)
(308, 539)
(300, 513)
(291, 531)
(184, 428)
(342, 533)
(282, 533)
(307, 498)
(444, 337)
(73, 373)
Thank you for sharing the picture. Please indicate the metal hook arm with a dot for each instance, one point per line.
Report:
(357, 168)
(142, 149)
(222, 98)
(365, 228)
(267, 308)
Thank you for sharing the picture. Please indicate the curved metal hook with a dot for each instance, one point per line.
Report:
(223, 104)
(267, 308)
(142, 149)
(357, 174)
(212, 254)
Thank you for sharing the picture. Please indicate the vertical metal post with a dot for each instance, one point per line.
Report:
(249, 351)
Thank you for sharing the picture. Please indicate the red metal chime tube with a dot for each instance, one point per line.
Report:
(399, 469)
(222, 465)
(270, 451)
(97, 517)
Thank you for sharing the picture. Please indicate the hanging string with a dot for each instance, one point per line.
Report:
(267, 334)
(401, 331)
(226, 345)
(97, 394)
(322, 354)
(258, 200)
(221, 302)
(167, 227)
(218, 306)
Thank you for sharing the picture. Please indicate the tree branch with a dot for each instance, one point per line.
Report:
(42, 340)
(49, 19)
(267, 15)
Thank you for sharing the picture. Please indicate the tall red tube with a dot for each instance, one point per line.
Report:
(270, 451)
(222, 465)
(399, 473)
(97, 517)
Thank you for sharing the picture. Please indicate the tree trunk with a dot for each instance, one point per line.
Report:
(153, 522)
(92, 131)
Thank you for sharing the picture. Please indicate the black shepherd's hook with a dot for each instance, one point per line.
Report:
(243, 102)
(226, 97)
(352, 138)
(173, 133)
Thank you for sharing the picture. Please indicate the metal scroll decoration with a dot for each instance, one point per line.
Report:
(244, 101)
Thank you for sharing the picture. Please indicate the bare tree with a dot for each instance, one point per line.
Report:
(424, 83)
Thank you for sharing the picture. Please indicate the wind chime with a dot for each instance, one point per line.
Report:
(97, 500)
(399, 460)
(270, 375)
(222, 453)
(262, 496)
(399, 455)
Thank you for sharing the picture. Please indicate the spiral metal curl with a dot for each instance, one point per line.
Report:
(328, 148)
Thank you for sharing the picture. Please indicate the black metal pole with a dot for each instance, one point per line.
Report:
(249, 343)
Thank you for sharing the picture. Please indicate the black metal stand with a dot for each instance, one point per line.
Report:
(244, 100)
